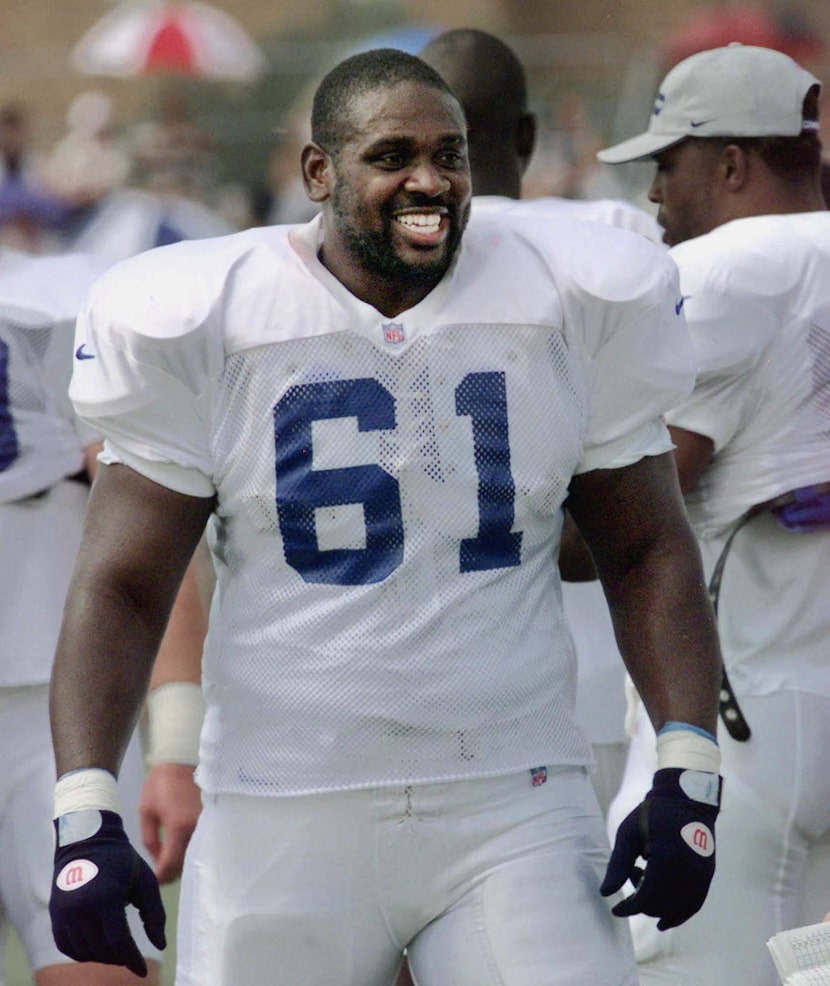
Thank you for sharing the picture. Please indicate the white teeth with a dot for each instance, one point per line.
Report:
(423, 221)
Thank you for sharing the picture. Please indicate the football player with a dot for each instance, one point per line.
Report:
(380, 416)
(46, 459)
(734, 137)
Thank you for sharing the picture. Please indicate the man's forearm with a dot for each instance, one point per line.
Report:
(667, 635)
(99, 679)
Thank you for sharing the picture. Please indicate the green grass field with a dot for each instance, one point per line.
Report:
(19, 974)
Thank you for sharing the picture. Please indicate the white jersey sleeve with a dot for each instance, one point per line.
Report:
(732, 330)
(629, 316)
(389, 491)
(152, 353)
(629, 368)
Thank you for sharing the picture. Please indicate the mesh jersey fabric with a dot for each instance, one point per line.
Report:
(389, 491)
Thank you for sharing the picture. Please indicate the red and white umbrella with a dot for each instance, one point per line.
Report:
(146, 37)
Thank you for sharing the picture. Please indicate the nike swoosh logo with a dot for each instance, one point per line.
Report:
(81, 353)
(699, 123)
(678, 305)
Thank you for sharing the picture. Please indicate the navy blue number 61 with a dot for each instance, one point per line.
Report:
(301, 489)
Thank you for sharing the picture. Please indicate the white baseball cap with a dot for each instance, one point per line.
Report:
(735, 91)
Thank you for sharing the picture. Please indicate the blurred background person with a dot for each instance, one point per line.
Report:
(120, 202)
(28, 208)
(46, 460)
(736, 158)
(173, 154)
(91, 159)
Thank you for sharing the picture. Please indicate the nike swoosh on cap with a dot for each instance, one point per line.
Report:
(698, 123)
(81, 353)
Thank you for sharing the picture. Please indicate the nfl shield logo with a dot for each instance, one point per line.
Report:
(393, 332)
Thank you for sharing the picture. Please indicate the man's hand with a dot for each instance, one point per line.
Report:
(169, 809)
(673, 830)
(97, 874)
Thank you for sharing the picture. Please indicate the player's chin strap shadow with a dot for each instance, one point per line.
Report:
(808, 510)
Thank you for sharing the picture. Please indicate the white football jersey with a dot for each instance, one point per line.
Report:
(612, 212)
(757, 300)
(41, 443)
(387, 606)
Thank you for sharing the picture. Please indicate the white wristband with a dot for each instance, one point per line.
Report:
(687, 749)
(174, 723)
(84, 789)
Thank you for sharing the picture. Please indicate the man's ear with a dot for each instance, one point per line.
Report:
(317, 171)
(736, 166)
(525, 138)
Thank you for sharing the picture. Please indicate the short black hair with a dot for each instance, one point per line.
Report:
(379, 68)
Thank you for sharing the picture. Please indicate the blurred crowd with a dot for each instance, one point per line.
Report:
(107, 189)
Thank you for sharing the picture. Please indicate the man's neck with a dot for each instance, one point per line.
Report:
(389, 296)
(775, 196)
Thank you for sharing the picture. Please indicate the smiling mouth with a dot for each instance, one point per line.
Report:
(423, 228)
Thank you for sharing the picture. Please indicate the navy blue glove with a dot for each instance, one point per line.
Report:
(673, 830)
(97, 874)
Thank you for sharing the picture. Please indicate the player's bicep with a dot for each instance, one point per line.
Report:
(625, 514)
(139, 534)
